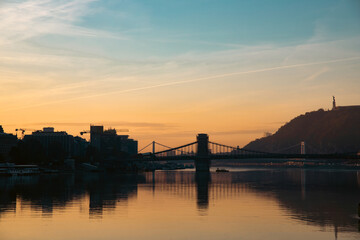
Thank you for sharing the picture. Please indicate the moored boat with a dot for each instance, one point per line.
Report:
(221, 170)
(18, 170)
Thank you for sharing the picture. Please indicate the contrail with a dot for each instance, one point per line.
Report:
(190, 81)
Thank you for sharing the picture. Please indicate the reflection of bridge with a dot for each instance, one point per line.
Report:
(203, 151)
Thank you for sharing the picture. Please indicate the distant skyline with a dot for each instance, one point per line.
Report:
(171, 69)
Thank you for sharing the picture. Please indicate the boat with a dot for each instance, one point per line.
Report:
(18, 170)
(221, 170)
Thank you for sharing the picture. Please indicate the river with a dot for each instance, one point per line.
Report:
(245, 203)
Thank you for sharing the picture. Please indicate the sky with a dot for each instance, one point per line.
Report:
(167, 70)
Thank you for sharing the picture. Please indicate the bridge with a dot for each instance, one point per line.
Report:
(202, 151)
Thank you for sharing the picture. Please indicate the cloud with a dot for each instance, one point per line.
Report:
(62, 75)
(180, 82)
(174, 83)
(105, 123)
(316, 74)
(27, 19)
(236, 132)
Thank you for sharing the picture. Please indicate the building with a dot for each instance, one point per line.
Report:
(96, 133)
(80, 146)
(108, 143)
(7, 141)
(49, 138)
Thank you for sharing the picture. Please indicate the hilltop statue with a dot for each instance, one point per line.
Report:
(334, 103)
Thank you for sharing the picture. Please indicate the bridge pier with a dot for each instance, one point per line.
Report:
(203, 160)
(202, 164)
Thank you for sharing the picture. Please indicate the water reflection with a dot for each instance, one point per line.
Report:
(320, 198)
(203, 180)
(45, 192)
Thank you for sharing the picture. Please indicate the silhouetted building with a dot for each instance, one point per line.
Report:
(49, 138)
(108, 143)
(95, 136)
(7, 141)
(80, 146)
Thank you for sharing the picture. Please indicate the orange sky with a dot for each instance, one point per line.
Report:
(78, 66)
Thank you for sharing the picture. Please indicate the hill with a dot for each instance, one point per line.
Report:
(335, 131)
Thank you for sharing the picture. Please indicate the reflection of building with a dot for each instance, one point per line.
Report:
(48, 137)
(45, 192)
(111, 144)
(7, 141)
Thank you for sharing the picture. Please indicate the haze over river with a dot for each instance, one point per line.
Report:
(245, 203)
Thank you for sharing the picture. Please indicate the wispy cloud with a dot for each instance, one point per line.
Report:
(173, 83)
(44, 75)
(106, 123)
(317, 74)
(26, 19)
(237, 132)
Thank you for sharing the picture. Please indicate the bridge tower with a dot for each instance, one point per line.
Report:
(202, 161)
(302, 149)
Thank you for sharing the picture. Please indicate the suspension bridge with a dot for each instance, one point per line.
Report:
(202, 151)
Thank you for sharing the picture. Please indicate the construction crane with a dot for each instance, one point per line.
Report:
(117, 130)
(23, 130)
(83, 132)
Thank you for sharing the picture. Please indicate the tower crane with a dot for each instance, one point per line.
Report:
(23, 130)
(83, 132)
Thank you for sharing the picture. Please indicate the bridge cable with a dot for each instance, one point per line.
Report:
(163, 145)
(240, 149)
(176, 148)
(287, 148)
(311, 147)
(145, 147)
(181, 151)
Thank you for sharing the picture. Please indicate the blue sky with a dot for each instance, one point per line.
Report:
(170, 28)
(176, 63)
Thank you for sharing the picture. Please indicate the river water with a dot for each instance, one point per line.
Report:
(245, 203)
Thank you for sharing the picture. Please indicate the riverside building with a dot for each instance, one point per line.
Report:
(7, 141)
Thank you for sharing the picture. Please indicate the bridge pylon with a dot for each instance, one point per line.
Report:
(203, 160)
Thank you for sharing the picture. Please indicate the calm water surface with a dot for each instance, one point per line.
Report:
(241, 204)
